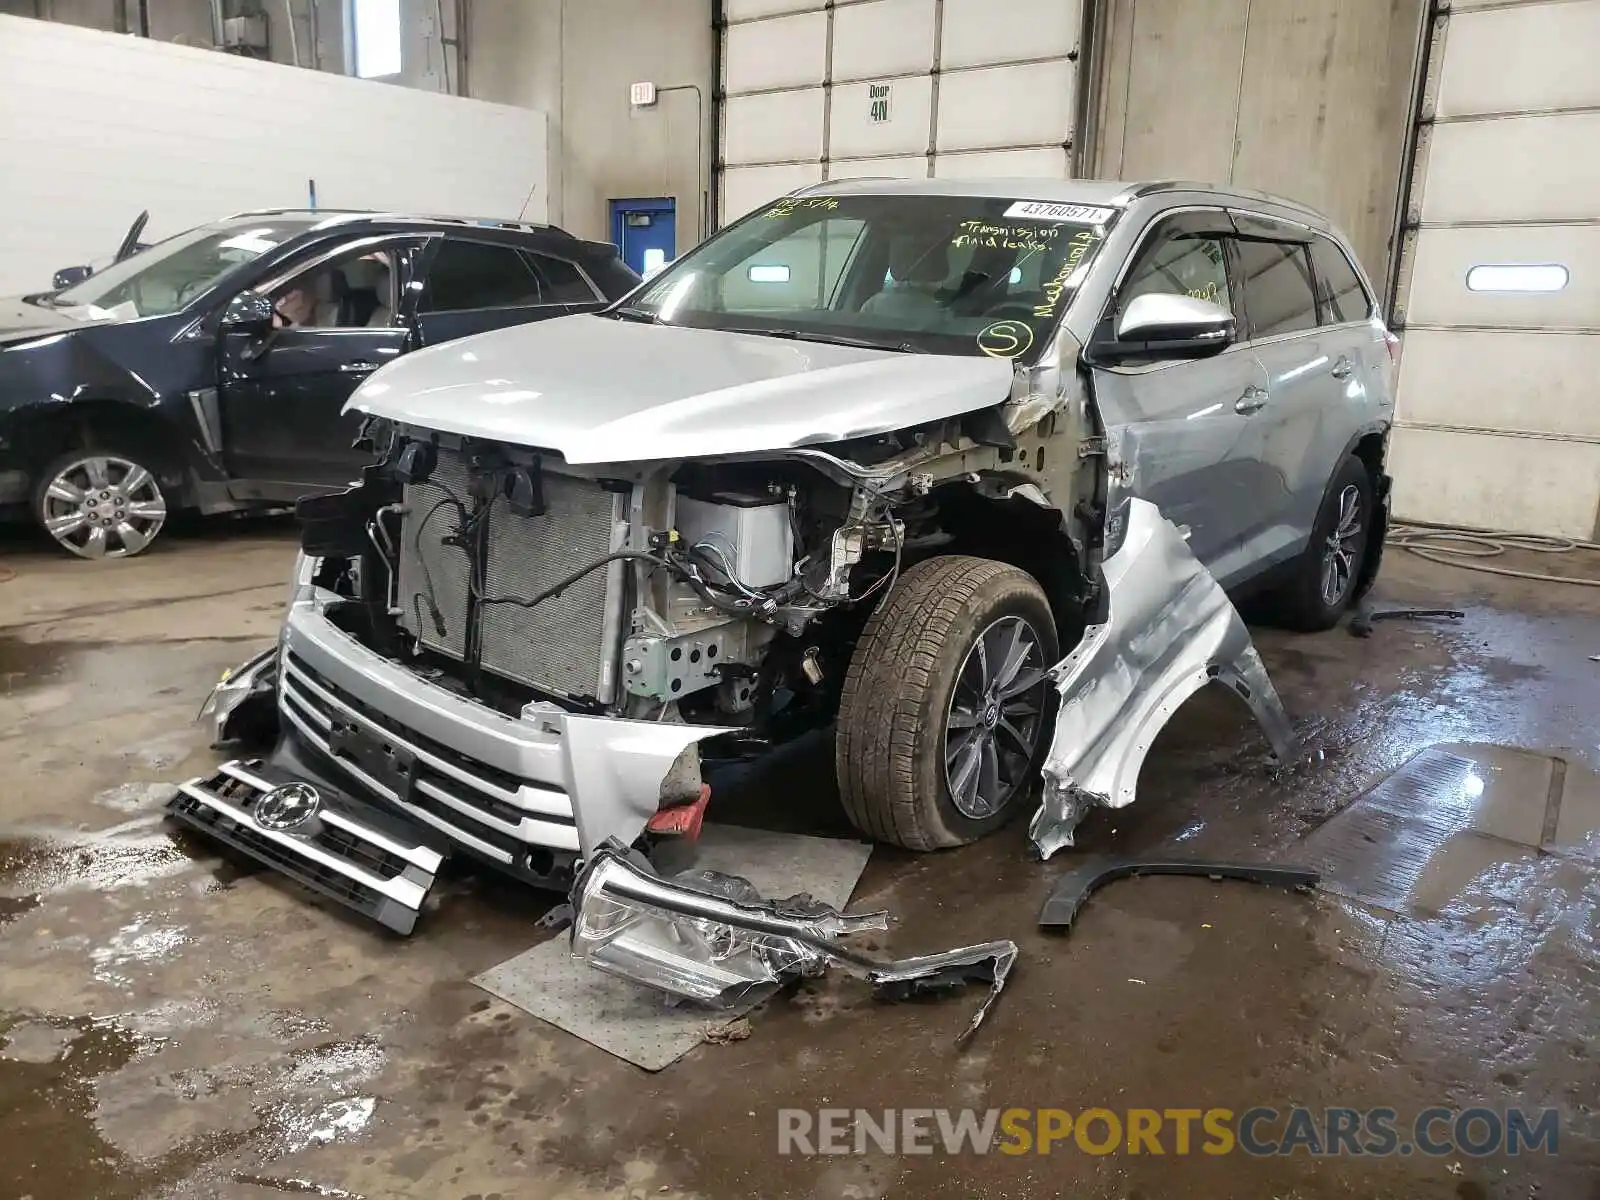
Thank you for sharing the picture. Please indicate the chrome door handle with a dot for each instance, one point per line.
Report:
(1343, 369)
(1253, 400)
(360, 366)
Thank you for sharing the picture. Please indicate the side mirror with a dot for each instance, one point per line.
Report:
(68, 276)
(248, 312)
(1167, 325)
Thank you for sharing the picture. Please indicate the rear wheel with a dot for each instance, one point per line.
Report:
(100, 503)
(1327, 574)
(946, 704)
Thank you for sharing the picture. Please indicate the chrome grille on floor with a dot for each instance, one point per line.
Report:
(342, 849)
(560, 646)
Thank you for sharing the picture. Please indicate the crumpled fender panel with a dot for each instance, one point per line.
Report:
(1170, 630)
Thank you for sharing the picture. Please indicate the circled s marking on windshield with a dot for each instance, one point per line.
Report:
(1006, 339)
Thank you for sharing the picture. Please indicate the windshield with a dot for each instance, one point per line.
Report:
(940, 274)
(167, 276)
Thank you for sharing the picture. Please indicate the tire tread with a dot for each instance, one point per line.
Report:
(886, 693)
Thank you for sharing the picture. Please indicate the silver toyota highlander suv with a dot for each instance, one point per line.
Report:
(967, 470)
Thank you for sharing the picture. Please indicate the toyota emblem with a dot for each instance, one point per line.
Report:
(287, 807)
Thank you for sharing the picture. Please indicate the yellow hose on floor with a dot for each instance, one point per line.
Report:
(1456, 546)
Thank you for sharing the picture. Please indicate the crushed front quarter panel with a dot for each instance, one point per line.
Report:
(1170, 629)
(243, 705)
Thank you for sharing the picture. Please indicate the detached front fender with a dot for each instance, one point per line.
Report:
(1169, 630)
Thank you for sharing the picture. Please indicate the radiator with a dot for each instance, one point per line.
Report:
(567, 644)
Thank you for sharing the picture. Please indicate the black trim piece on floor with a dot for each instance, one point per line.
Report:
(1075, 887)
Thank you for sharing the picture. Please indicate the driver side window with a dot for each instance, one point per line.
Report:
(353, 291)
(1179, 263)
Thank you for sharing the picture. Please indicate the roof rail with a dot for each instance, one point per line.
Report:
(378, 215)
(279, 212)
(486, 223)
(1189, 185)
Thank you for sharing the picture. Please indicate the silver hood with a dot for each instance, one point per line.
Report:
(598, 390)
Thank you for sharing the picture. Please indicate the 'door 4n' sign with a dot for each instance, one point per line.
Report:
(878, 95)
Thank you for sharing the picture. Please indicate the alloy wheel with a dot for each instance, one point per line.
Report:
(1343, 549)
(102, 506)
(995, 718)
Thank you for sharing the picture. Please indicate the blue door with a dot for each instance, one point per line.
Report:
(646, 232)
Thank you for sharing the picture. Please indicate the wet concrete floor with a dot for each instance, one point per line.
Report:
(171, 1026)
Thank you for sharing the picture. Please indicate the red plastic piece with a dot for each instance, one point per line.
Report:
(682, 820)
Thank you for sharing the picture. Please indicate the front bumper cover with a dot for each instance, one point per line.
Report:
(244, 704)
(548, 783)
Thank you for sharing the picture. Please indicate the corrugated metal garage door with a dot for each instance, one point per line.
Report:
(1310, 99)
(1499, 409)
(893, 87)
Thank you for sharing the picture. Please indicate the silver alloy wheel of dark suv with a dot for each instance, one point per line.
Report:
(101, 505)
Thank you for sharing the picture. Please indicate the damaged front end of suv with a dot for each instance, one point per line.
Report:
(593, 555)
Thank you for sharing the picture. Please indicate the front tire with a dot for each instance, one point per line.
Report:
(1328, 574)
(100, 503)
(946, 705)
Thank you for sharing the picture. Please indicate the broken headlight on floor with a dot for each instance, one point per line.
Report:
(713, 939)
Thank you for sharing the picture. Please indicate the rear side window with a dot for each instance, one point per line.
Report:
(469, 275)
(562, 282)
(1338, 285)
(1278, 293)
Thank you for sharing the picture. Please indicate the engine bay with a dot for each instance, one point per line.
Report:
(692, 592)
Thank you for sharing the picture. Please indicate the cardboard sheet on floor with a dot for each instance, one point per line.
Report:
(634, 1022)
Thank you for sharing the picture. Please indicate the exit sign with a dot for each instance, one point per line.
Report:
(878, 99)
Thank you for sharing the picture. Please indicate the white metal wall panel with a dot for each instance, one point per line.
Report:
(852, 133)
(1444, 256)
(879, 168)
(747, 188)
(1006, 106)
(883, 37)
(1533, 485)
(750, 10)
(1050, 162)
(787, 52)
(95, 127)
(1497, 421)
(1507, 60)
(1463, 377)
(1544, 168)
(980, 33)
(990, 86)
(773, 127)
